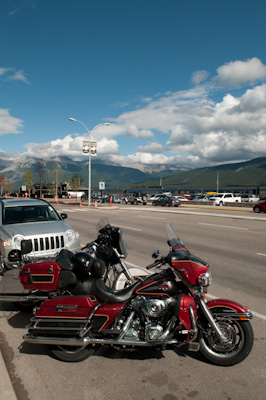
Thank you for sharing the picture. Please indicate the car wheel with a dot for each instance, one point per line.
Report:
(257, 209)
(153, 203)
(167, 204)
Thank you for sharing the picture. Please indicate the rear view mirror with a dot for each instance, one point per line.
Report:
(63, 215)
(14, 256)
(26, 246)
(155, 254)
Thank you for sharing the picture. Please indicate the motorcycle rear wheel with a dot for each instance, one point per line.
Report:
(239, 343)
(73, 353)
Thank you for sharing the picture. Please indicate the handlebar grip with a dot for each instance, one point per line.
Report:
(87, 245)
(158, 262)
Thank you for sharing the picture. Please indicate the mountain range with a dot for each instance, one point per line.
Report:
(62, 169)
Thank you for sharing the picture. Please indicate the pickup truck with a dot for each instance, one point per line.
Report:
(222, 198)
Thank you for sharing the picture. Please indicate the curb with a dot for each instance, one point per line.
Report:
(6, 387)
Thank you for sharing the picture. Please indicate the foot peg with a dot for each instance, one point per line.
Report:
(193, 346)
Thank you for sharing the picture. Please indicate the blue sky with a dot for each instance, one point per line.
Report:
(182, 82)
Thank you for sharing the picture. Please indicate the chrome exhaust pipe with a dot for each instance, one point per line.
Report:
(29, 338)
(18, 298)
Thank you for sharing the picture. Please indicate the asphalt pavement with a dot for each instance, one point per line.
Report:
(6, 387)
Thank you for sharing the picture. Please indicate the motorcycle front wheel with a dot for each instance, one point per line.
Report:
(238, 344)
(73, 353)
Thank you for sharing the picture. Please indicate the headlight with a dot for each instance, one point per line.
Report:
(70, 235)
(17, 240)
(205, 279)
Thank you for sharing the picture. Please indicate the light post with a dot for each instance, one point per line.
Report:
(89, 166)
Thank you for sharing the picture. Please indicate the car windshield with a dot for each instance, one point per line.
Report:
(33, 213)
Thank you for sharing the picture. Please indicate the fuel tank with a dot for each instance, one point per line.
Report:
(160, 285)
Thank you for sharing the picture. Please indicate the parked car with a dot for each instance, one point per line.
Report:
(135, 198)
(181, 198)
(260, 207)
(249, 198)
(152, 197)
(202, 197)
(36, 220)
(167, 201)
(115, 199)
(175, 202)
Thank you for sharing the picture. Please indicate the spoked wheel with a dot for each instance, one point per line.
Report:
(236, 347)
(73, 353)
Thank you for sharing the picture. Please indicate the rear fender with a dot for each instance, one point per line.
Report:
(229, 309)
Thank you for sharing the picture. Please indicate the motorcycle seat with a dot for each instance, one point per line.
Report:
(105, 294)
(64, 260)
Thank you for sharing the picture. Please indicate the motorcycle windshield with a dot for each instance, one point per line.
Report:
(173, 239)
(104, 226)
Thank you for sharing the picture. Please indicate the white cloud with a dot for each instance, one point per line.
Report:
(194, 128)
(134, 132)
(18, 76)
(3, 71)
(10, 74)
(151, 148)
(199, 76)
(9, 124)
(237, 72)
(70, 147)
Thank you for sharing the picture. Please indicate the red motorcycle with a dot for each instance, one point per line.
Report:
(37, 280)
(167, 309)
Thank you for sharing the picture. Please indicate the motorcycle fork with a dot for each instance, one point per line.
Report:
(210, 319)
(125, 268)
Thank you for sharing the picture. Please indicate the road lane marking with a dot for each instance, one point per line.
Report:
(223, 226)
(132, 229)
(145, 216)
(261, 254)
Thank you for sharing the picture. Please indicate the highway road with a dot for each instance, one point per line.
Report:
(232, 242)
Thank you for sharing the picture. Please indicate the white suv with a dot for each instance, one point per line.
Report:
(36, 220)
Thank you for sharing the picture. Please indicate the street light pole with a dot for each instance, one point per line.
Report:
(89, 166)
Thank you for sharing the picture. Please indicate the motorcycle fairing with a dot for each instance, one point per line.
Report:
(229, 308)
(190, 270)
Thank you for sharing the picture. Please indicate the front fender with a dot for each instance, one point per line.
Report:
(229, 308)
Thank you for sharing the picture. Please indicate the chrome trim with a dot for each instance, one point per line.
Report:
(194, 331)
(126, 326)
(30, 338)
(247, 314)
(19, 299)
(211, 320)
(168, 329)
